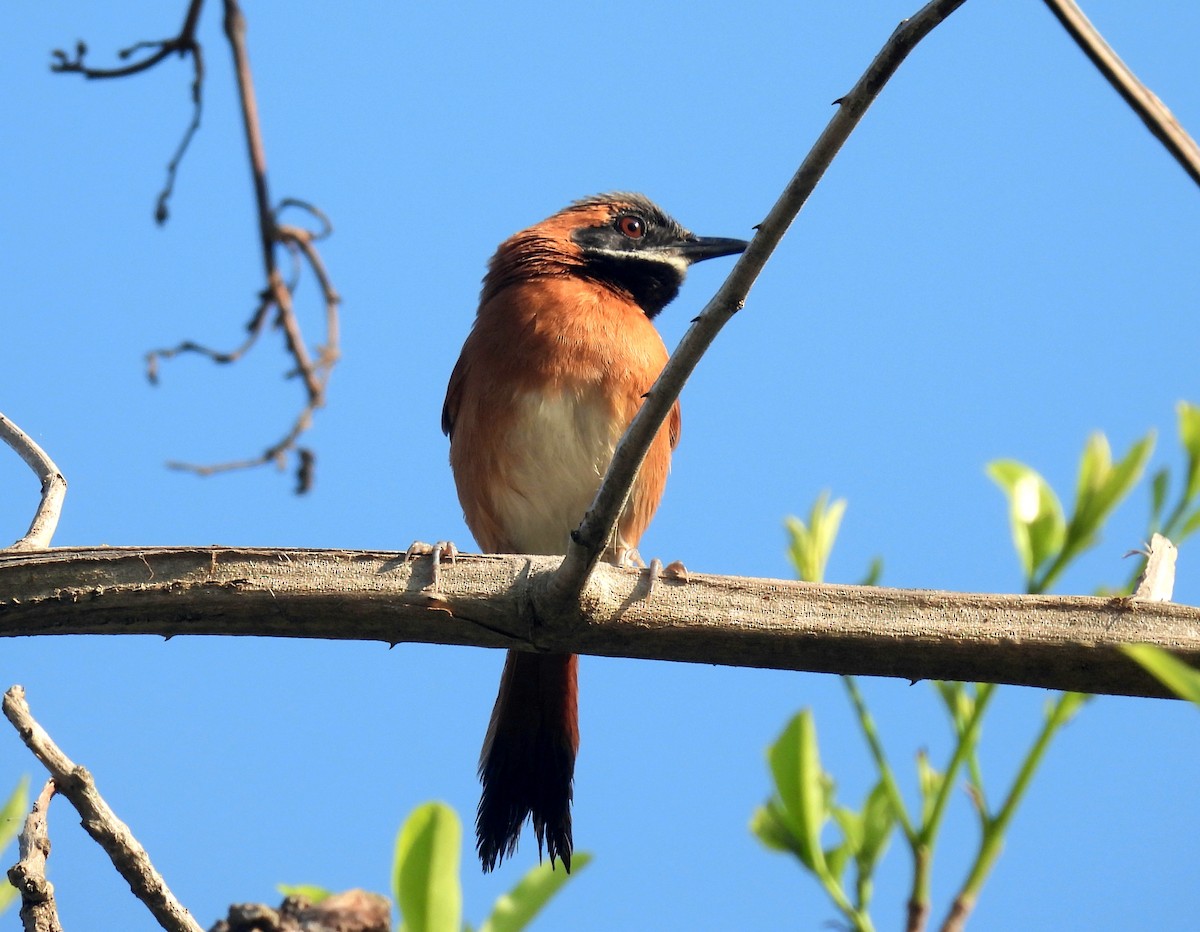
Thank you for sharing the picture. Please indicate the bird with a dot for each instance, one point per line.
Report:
(558, 360)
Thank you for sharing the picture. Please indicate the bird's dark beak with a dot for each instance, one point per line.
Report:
(700, 248)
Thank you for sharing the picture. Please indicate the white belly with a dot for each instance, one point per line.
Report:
(558, 449)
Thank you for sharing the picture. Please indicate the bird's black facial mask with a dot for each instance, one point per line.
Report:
(644, 252)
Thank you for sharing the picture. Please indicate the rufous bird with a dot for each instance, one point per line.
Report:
(557, 363)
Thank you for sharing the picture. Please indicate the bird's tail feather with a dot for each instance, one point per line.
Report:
(528, 759)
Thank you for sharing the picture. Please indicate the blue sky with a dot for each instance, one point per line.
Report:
(1001, 261)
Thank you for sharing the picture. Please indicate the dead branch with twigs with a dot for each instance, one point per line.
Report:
(76, 784)
(312, 366)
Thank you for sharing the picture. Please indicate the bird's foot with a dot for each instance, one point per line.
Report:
(629, 557)
(442, 550)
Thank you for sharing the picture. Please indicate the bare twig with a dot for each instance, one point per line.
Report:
(1057, 642)
(255, 328)
(1153, 112)
(54, 487)
(183, 44)
(591, 538)
(277, 295)
(161, 207)
(276, 299)
(76, 784)
(276, 453)
(28, 875)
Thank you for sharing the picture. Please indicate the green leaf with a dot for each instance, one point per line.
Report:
(769, 825)
(12, 815)
(1102, 485)
(929, 782)
(878, 820)
(1168, 669)
(311, 893)
(425, 880)
(802, 787)
(959, 703)
(874, 572)
(517, 908)
(836, 859)
(1060, 709)
(1094, 466)
(1189, 527)
(13, 812)
(1189, 436)
(851, 824)
(811, 544)
(1159, 486)
(1035, 513)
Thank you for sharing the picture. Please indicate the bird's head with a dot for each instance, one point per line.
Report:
(623, 241)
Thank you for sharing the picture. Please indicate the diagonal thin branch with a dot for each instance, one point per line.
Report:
(1153, 112)
(590, 539)
(38, 910)
(54, 487)
(76, 784)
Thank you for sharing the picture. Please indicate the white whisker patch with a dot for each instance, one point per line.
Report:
(655, 256)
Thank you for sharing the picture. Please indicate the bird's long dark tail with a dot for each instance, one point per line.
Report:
(528, 759)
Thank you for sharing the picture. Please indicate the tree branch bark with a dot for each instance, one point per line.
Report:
(38, 910)
(1144, 102)
(1058, 642)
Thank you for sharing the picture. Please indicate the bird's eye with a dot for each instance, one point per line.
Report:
(631, 226)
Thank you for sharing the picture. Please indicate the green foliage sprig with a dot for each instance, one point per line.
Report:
(1047, 540)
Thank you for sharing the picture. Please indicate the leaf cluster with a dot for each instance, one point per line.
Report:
(803, 807)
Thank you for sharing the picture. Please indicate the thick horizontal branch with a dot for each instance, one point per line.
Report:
(1060, 642)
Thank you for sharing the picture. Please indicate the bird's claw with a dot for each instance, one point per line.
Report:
(628, 556)
(673, 570)
(442, 550)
